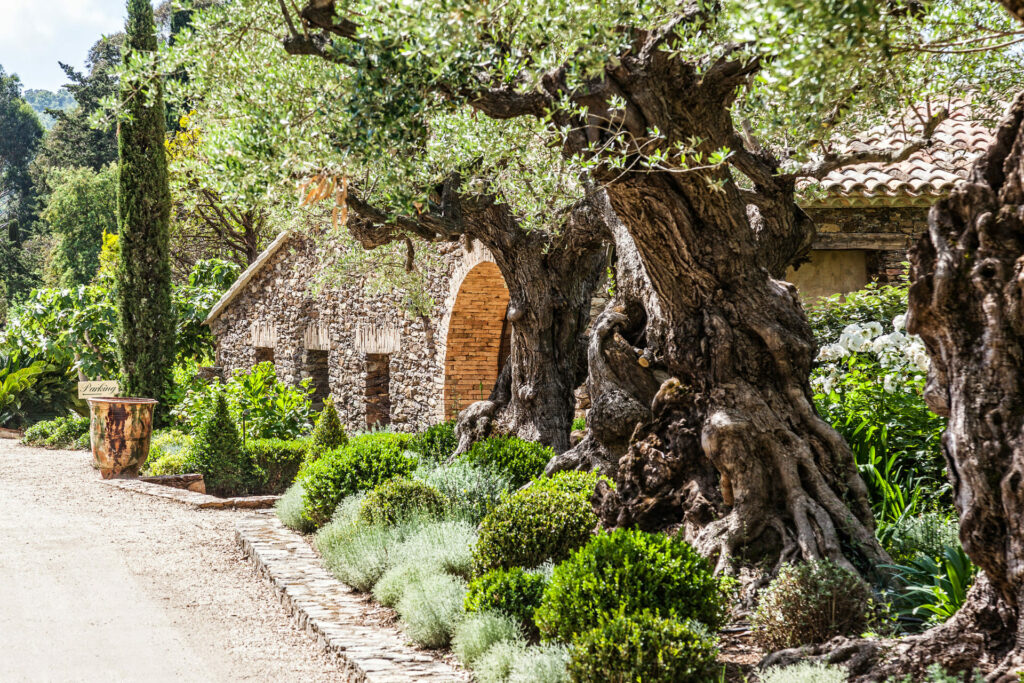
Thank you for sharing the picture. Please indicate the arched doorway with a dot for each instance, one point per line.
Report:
(474, 350)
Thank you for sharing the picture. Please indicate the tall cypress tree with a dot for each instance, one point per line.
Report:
(145, 315)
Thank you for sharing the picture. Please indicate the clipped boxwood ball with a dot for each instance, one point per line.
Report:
(363, 463)
(517, 459)
(542, 523)
(514, 592)
(644, 647)
(399, 499)
(629, 571)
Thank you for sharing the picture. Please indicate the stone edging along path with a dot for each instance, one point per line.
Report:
(330, 611)
(191, 498)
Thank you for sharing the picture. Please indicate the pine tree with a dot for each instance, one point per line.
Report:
(146, 318)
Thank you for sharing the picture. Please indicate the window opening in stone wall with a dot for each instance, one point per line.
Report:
(378, 396)
(318, 371)
(264, 354)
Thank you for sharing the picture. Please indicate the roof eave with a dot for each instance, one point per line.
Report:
(247, 275)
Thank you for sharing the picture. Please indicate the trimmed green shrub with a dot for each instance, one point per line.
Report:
(329, 433)
(471, 492)
(289, 509)
(479, 632)
(360, 465)
(431, 609)
(511, 591)
(398, 499)
(542, 523)
(543, 664)
(519, 460)
(644, 647)
(279, 460)
(217, 454)
(805, 672)
(436, 443)
(628, 571)
(810, 603)
(60, 432)
(496, 665)
(169, 452)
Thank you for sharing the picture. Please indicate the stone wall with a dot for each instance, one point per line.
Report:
(341, 329)
(884, 234)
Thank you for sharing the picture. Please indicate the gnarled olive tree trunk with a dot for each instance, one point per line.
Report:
(729, 447)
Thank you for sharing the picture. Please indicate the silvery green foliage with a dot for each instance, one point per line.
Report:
(472, 491)
(289, 509)
(446, 545)
(496, 665)
(805, 672)
(431, 608)
(479, 632)
(541, 664)
(391, 587)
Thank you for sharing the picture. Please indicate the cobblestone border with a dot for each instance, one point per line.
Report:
(191, 498)
(330, 611)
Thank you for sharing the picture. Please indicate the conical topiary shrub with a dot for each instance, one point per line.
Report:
(328, 433)
(218, 455)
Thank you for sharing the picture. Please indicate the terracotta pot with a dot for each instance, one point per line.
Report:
(120, 429)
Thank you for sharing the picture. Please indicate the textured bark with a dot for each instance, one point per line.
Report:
(731, 450)
(551, 277)
(967, 304)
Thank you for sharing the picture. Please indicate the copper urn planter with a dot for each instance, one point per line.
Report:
(120, 429)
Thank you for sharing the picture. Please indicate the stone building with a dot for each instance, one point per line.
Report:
(384, 366)
(868, 215)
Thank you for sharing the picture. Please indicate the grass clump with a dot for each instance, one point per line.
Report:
(470, 491)
(432, 608)
(399, 499)
(542, 523)
(289, 509)
(517, 459)
(629, 571)
(543, 664)
(810, 603)
(496, 665)
(805, 672)
(645, 647)
(477, 633)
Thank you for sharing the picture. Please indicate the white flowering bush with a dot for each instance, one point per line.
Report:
(868, 383)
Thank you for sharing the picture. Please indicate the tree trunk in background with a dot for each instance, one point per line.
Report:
(551, 283)
(145, 314)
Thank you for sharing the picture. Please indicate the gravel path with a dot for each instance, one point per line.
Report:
(99, 584)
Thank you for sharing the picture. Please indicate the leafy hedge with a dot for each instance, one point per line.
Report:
(278, 462)
(60, 432)
(645, 647)
(362, 464)
(399, 499)
(436, 443)
(627, 572)
(542, 523)
(513, 592)
(520, 460)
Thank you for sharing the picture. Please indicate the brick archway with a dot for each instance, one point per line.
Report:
(474, 348)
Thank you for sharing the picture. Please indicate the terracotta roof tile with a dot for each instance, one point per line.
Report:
(925, 176)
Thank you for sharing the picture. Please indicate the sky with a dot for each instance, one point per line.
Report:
(35, 35)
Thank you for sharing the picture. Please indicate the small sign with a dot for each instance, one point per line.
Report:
(98, 389)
